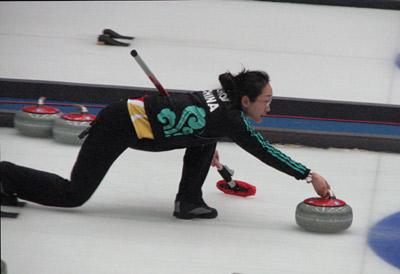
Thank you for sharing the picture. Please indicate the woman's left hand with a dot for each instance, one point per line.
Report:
(215, 160)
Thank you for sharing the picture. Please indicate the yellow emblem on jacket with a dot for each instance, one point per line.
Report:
(139, 118)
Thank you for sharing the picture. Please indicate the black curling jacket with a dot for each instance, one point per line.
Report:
(204, 117)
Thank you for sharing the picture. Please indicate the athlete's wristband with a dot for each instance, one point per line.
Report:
(309, 177)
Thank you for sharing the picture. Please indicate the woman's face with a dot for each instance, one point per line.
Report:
(260, 107)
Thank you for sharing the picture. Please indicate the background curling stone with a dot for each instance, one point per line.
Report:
(36, 121)
(324, 215)
(67, 128)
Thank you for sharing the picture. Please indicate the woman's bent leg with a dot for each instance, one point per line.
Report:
(189, 202)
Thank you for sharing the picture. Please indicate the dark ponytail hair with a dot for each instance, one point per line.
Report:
(246, 83)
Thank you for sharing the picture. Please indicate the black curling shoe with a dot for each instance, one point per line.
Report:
(9, 199)
(186, 210)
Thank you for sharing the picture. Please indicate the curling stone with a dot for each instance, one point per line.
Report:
(324, 215)
(36, 121)
(69, 126)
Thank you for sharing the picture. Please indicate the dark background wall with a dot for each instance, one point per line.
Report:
(377, 4)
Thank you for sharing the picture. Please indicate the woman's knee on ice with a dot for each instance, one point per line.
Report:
(76, 199)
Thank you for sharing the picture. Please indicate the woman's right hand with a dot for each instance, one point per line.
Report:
(320, 185)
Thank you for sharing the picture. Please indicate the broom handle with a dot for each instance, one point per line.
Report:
(149, 74)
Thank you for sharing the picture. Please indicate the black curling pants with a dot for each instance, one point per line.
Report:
(196, 164)
(108, 138)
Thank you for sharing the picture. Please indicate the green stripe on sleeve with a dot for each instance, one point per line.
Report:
(271, 150)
